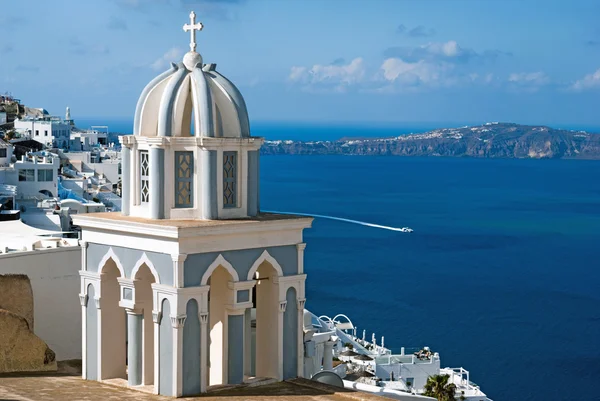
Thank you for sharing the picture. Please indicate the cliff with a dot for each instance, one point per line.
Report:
(502, 140)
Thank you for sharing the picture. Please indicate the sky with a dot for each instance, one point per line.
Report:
(335, 61)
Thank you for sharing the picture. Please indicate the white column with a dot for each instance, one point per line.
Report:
(203, 351)
(83, 300)
(300, 248)
(300, 304)
(177, 322)
(178, 262)
(282, 307)
(84, 246)
(156, 318)
(328, 355)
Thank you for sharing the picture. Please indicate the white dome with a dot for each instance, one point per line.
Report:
(191, 92)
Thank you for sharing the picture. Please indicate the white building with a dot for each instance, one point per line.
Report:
(37, 175)
(191, 230)
(49, 131)
(3, 117)
(6, 153)
(88, 139)
(51, 263)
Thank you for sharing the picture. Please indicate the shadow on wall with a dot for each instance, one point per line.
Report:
(20, 349)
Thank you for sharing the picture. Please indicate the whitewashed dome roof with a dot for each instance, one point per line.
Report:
(191, 92)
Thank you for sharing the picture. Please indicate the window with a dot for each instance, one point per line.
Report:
(184, 176)
(229, 179)
(144, 176)
(45, 175)
(27, 175)
(37, 132)
(3, 152)
(46, 132)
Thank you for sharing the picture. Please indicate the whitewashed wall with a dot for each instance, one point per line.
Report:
(54, 276)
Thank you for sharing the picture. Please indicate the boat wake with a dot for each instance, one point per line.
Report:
(362, 223)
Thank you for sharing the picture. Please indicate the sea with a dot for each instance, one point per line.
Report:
(501, 275)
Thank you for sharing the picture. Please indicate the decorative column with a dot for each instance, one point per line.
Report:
(282, 307)
(83, 300)
(203, 351)
(125, 176)
(157, 178)
(178, 265)
(300, 251)
(177, 322)
(208, 183)
(134, 346)
(328, 355)
(156, 318)
(301, 302)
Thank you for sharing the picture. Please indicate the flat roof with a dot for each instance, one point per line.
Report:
(189, 223)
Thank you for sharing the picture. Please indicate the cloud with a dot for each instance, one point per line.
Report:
(172, 55)
(421, 32)
(336, 77)
(338, 73)
(590, 81)
(418, 31)
(449, 51)
(421, 73)
(528, 81)
(117, 24)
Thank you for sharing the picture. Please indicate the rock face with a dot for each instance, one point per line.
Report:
(501, 140)
(20, 349)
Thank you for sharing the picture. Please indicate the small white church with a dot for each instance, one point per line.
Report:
(191, 286)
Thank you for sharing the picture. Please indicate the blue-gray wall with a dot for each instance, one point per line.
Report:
(128, 257)
(253, 178)
(290, 336)
(243, 296)
(91, 336)
(165, 369)
(191, 350)
(242, 260)
(235, 356)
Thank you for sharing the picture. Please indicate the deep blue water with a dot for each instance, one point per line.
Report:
(501, 276)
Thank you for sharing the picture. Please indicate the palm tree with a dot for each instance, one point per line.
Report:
(437, 386)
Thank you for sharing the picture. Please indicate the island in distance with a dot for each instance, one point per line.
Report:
(498, 140)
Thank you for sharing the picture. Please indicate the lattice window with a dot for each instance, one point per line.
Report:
(144, 177)
(229, 179)
(184, 179)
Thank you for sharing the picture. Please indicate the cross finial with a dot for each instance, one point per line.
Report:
(192, 27)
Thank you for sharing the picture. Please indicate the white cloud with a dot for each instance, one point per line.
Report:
(590, 81)
(405, 74)
(346, 74)
(172, 55)
(529, 78)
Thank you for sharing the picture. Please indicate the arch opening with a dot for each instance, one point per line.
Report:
(143, 280)
(113, 324)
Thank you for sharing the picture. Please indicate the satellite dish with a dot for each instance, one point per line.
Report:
(328, 377)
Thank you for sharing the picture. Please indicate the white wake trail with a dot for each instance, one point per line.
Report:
(362, 223)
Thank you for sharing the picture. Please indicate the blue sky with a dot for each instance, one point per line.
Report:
(428, 61)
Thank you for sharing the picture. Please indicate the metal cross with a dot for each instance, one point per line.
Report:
(193, 27)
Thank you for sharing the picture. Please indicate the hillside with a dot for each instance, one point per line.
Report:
(501, 140)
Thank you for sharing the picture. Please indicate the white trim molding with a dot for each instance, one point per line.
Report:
(219, 261)
(145, 260)
(110, 254)
(264, 257)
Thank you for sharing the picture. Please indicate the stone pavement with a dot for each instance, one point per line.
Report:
(67, 387)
